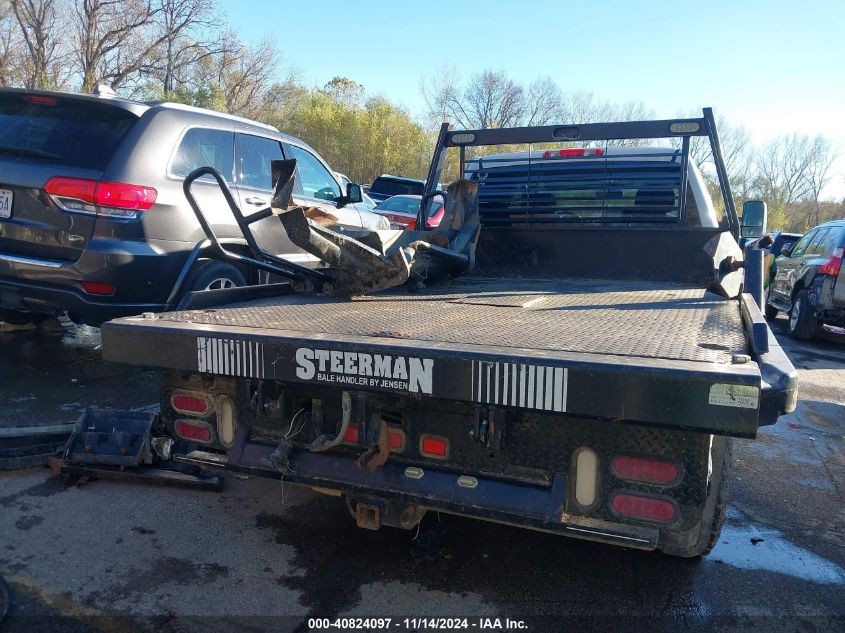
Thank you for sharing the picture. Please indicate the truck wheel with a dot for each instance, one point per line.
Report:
(802, 318)
(214, 275)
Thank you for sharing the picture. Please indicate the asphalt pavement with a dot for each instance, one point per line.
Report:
(264, 556)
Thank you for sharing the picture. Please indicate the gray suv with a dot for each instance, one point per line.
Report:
(93, 219)
(809, 283)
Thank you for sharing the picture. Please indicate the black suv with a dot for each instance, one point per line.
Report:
(93, 219)
(810, 281)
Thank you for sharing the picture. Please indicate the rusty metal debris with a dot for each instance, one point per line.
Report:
(376, 456)
(361, 262)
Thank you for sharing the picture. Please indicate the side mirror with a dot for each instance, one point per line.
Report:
(353, 195)
(755, 215)
(787, 249)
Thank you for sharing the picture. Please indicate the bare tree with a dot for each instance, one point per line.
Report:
(190, 32)
(488, 99)
(43, 63)
(113, 40)
(543, 102)
(10, 43)
(243, 75)
(821, 159)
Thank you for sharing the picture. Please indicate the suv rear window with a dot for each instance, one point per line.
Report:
(61, 131)
(396, 187)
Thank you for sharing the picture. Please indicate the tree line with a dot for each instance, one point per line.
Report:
(185, 51)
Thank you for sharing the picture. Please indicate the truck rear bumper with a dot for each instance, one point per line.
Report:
(527, 506)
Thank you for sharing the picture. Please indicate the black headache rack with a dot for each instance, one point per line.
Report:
(599, 191)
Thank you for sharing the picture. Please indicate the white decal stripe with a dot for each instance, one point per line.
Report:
(557, 405)
(538, 402)
(531, 387)
(522, 384)
(565, 387)
(496, 390)
(514, 381)
(549, 388)
(487, 385)
(505, 386)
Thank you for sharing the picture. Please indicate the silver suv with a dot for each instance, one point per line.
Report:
(93, 219)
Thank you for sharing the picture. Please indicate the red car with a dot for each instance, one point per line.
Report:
(402, 211)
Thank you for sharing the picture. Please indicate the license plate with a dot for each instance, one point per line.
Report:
(5, 203)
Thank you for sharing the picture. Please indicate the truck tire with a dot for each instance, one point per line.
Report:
(802, 317)
(210, 274)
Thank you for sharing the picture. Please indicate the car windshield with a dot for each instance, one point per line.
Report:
(61, 131)
(400, 204)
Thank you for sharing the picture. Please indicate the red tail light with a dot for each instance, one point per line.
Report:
(190, 403)
(833, 265)
(40, 99)
(194, 430)
(102, 198)
(433, 446)
(98, 288)
(647, 508)
(573, 151)
(395, 438)
(653, 471)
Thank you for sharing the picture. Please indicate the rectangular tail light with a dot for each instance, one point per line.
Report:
(194, 431)
(647, 508)
(83, 195)
(434, 446)
(650, 471)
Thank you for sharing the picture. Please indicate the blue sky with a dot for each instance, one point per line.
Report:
(773, 66)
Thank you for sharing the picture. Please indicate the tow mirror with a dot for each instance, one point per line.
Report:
(353, 195)
(754, 218)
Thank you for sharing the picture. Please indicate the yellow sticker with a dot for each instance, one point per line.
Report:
(740, 396)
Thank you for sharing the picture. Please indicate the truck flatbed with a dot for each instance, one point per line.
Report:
(571, 346)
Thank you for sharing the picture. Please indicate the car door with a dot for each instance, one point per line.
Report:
(316, 186)
(254, 181)
(786, 267)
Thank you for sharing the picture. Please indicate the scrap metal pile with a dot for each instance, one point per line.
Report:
(369, 261)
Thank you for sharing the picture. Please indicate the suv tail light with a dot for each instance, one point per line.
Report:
(833, 265)
(115, 199)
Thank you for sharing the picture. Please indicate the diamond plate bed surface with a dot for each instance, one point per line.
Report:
(619, 318)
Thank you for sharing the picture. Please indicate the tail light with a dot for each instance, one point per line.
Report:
(833, 265)
(434, 447)
(194, 431)
(573, 151)
(647, 508)
(395, 438)
(189, 403)
(98, 288)
(115, 199)
(652, 471)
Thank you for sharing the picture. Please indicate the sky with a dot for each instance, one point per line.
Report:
(773, 66)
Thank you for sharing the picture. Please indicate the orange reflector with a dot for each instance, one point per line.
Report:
(644, 508)
(194, 430)
(653, 471)
(432, 446)
(396, 439)
(189, 403)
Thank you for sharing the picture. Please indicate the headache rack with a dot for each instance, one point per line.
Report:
(601, 186)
